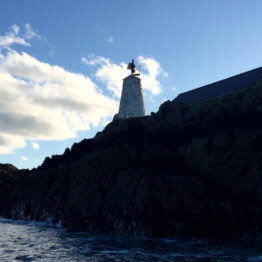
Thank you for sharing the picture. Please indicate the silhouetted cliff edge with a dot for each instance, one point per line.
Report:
(185, 171)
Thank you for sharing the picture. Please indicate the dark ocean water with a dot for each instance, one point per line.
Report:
(31, 241)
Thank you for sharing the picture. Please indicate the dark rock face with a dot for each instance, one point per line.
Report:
(185, 171)
(8, 178)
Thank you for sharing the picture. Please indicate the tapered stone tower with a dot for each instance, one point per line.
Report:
(132, 100)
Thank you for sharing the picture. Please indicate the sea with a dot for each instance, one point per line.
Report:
(46, 242)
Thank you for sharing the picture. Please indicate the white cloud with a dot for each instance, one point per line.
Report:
(12, 37)
(46, 102)
(24, 158)
(95, 60)
(30, 33)
(15, 28)
(110, 39)
(112, 74)
(153, 69)
(10, 141)
(35, 145)
(107, 72)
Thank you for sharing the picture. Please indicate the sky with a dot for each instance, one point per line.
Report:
(62, 62)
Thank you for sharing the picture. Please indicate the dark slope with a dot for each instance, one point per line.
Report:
(186, 171)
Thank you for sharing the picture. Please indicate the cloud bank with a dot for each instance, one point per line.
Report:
(39, 101)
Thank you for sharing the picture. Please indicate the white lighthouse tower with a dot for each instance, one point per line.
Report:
(132, 100)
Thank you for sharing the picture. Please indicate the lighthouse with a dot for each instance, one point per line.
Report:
(132, 100)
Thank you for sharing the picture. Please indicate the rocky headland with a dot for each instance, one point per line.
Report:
(185, 171)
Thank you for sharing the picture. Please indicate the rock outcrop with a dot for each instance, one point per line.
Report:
(185, 171)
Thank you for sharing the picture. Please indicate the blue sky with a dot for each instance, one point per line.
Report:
(62, 62)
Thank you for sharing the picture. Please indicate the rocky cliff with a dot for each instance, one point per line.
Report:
(185, 171)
